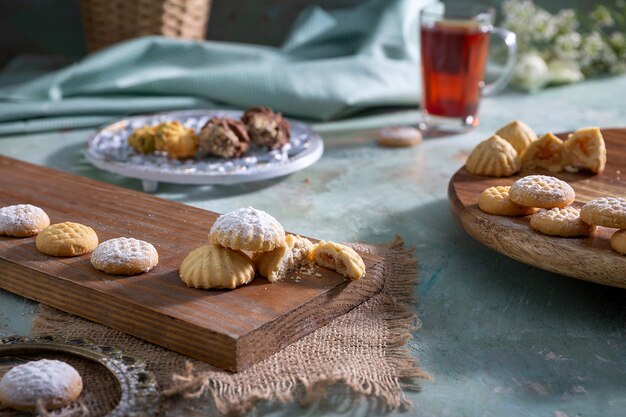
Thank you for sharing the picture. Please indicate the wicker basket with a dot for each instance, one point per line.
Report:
(110, 21)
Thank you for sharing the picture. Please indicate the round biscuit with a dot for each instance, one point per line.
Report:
(618, 242)
(399, 136)
(52, 382)
(542, 191)
(124, 256)
(565, 222)
(605, 211)
(247, 229)
(213, 266)
(66, 239)
(22, 220)
(495, 200)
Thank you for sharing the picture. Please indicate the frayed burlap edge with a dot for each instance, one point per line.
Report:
(386, 394)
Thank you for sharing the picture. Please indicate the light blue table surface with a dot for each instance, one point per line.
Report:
(501, 338)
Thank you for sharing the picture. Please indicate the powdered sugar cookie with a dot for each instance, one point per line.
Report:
(546, 153)
(605, 211)
(66, 239)
(618, 242)
(53, 382)
(276, 264)
(542, 191)
(564, 222)
(495, 200)
(213, 266)
(518, 134)
(399, 136)
(494, 157)
(22, 220)
(124, 256)
(247, 229)
(338, 257)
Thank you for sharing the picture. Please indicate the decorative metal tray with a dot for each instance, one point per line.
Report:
(137, 387)
(108, 150)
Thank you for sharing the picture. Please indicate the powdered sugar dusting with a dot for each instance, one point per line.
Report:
(22, 217)
(122, 251)
(45, 379)
(248, 222)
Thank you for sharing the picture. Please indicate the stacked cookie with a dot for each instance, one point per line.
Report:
(119, 256)
(220, 136)
(224, 262)
(548, 200)
(516, 146)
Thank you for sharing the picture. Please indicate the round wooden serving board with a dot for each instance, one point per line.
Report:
(590, 259)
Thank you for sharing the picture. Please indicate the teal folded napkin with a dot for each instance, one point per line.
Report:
(331, 65)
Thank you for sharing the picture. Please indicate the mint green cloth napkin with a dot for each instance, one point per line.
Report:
(332, 64)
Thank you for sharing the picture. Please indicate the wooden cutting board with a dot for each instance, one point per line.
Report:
(229, 329)
(590, 259)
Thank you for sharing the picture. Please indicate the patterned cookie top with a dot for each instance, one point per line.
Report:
(45, 379)
(564, 222)
(67, 239)
(22, 220)
(247, 229)
(605, 211)
(496, 200)
(494, 157)
(518, 134)
(542, 191)
(213, 266)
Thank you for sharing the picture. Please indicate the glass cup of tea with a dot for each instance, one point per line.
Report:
(454, 40)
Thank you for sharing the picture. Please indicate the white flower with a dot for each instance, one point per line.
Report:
(564, 72)
(565, 21)
(595, 50)
(566, 45)
(601, 17)
(617, 40)
(542, 26)
(531, 72)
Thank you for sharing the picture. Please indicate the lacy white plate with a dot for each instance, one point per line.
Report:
(108, 150)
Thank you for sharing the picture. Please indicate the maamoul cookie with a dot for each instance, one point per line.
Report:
(66, 239)
(518, 134)
(605, 211)
(212, 266)
(176, 140)
(266, 128)
(546, 153)
(124, 256)
(564, 222)
(22, 220)
(542, 191)
(54, 383)
(585, 148)
(494, 157)
(618, 242)
(495, 200)
(338, 257)
(142, 139)
(399, 136)
(247, 229)
(225, 137)
(276, 264)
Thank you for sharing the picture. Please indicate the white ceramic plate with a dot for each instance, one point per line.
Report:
(108, 150)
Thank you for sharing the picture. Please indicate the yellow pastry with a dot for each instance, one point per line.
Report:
(496, 200)
(276, 264)
(518, 134)
(546, 153)
(66, 239)
(213, 266)
(338, 257)
(176, 140)
(585, 148)
(142, 139)
(494, 157)
(247, 229)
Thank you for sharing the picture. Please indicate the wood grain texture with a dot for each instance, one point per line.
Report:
(590, 259)
(229, 329)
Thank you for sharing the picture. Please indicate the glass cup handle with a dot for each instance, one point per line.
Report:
(509, 39)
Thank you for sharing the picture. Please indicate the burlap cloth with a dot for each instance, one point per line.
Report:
(363, 350)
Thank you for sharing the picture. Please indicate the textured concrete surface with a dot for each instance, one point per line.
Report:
(501, 338)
